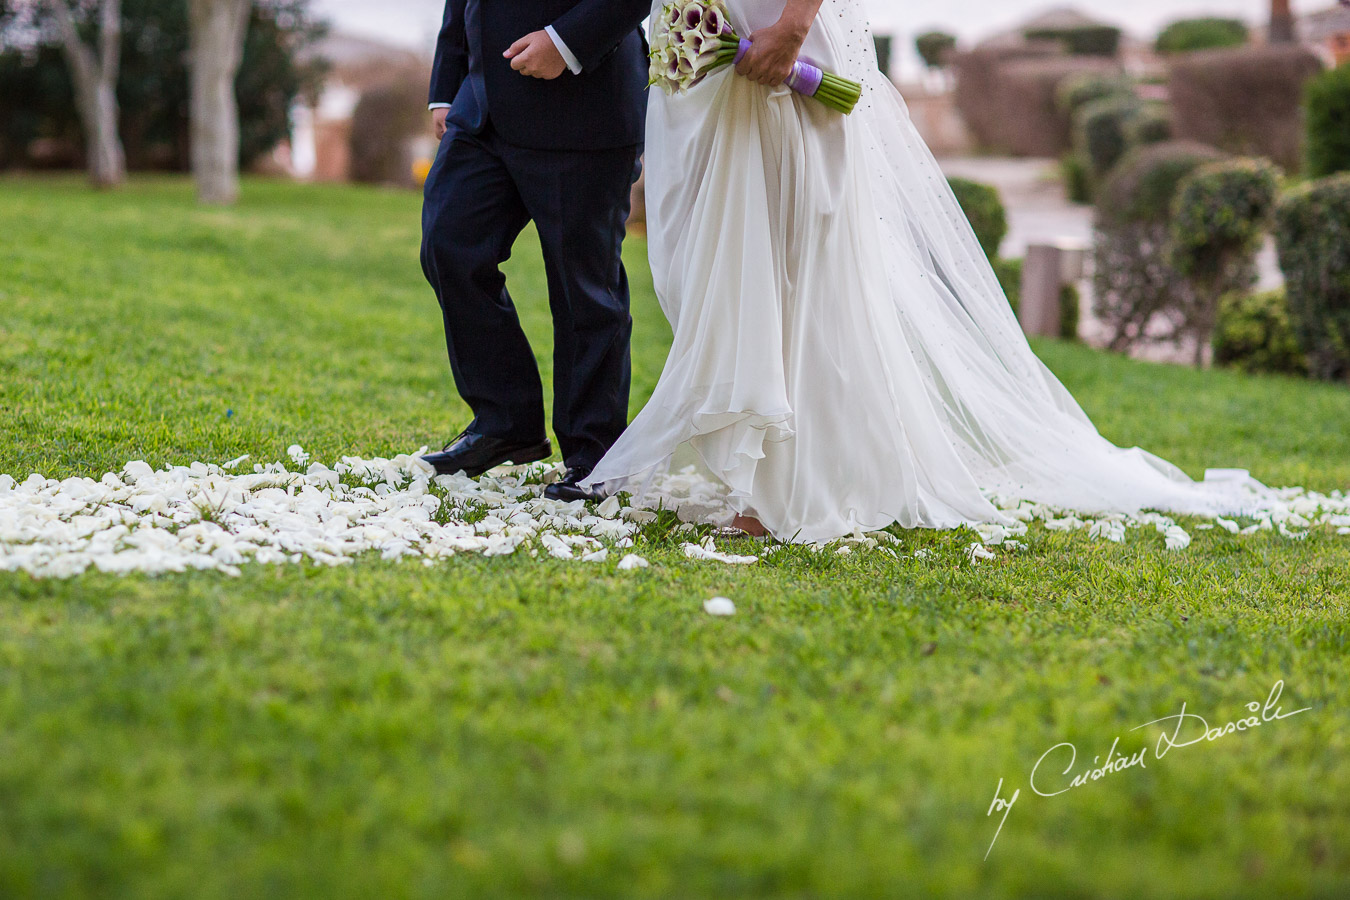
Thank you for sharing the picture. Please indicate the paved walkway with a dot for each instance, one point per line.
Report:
(1038, 211)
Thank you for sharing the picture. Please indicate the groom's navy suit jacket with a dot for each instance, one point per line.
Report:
(602, 108)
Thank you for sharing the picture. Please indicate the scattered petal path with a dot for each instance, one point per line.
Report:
(213, 518)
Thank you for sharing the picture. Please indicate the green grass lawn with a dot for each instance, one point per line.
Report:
(515, 727)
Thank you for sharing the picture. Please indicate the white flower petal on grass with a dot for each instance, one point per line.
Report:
(719, 606)
(1176, 538)
(137, 470)
(632, 561)
(695, 551)
(609, 508)
(235, 463)
(977, 552)
(1108, 529)
(204, 517)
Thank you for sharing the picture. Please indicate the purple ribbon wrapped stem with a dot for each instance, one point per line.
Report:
(805, 78)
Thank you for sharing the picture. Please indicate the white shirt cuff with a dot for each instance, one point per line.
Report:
(568, 57)
(439, 106)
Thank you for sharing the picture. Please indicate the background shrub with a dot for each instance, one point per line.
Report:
(1078, 91)
(1202, 34)
(1152, 125)
(983, 206)
(1246, 100)
(1135, 281)
(1009, 272)
(1085, 40)
(1074, 168)
(1220, 207)
(383, 125)
(1070, 310)
(1103, 132)
(1219, 220)
(935, 48)
(1312, 229)
(1143, 186)
(1327, 103)
(1253, 333)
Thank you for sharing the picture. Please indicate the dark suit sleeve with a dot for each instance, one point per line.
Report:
(452, 55)
(594, 28)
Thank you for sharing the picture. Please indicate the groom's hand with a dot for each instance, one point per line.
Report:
(537, 56)
(438, 117)
(772, 52)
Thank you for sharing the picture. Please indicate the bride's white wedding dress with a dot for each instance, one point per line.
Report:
(843, 355)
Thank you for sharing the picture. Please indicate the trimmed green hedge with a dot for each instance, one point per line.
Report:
(1087, 40)
(1254, 333)
(983, 206)
(1202, 34)
(1326, 100)
(1312, 229)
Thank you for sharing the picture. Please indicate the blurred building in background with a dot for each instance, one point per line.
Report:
(327, 141)
(1328, 34)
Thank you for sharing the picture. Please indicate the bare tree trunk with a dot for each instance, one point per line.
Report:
(216, 48)
(1281, 22)
(95, 79)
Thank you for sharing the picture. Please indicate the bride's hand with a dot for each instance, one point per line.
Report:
(772, 52)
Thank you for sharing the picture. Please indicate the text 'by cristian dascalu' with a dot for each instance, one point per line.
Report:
(1055, 772)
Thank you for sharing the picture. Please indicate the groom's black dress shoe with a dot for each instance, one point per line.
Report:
(473, 454)
(569, 488)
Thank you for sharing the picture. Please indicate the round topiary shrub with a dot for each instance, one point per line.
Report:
(1326, 100)
(983, 206)
(1219, 219)
(1312, 229)
(1152, 125)
(1202, 34)
(1221, 210)
(1142, 187)
(1253, 333)
(1102, 132)
(1080, 90)
(1135, 283)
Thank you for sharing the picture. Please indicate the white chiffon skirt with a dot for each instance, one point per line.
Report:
(844, 358)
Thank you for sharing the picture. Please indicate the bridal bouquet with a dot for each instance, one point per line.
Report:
(694, 38)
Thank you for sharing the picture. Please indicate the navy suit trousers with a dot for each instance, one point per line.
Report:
(480, 195)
